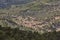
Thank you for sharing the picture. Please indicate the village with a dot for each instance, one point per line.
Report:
(33, 23)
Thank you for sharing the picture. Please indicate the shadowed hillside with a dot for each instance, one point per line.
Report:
(8, 3)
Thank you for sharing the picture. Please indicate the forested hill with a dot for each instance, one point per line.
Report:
(7, 33)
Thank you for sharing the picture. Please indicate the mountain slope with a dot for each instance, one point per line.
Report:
(37, 15)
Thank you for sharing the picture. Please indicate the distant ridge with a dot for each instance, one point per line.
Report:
(5, 3)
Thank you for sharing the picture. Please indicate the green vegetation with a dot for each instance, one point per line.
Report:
(7, 33)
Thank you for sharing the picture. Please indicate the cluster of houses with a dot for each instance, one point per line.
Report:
(32, 22)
